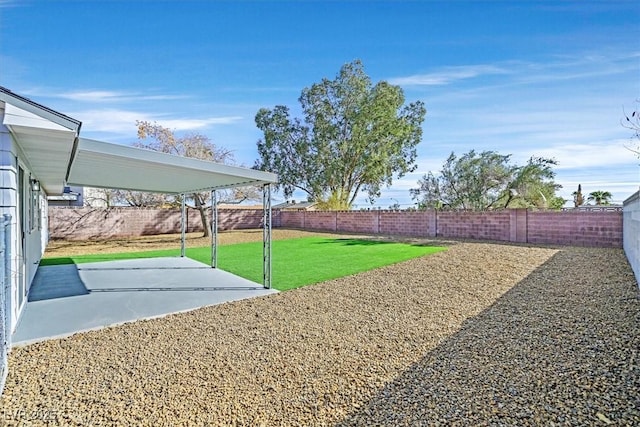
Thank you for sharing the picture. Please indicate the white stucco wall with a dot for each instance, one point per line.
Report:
(8, 201)
(631, 232)
(23, 266)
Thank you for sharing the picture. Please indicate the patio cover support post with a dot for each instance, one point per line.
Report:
(214, 229)
(266, 236)
(183, 226)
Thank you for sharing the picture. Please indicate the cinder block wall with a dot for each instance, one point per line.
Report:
(358, 222)
(94, 223)
(474, 225)
(578, 228)
(407, 223)
(600, 229)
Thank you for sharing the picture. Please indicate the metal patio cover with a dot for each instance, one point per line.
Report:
(57, 156)
(107, 165)
(49, 142)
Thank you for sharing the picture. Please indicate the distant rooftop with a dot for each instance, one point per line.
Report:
(292, 204)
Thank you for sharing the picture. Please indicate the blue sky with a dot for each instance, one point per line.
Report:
(517, 77)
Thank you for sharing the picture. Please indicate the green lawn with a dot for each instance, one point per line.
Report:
(295, 262)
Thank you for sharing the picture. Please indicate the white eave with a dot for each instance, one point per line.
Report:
(46, 138)
(45, 149)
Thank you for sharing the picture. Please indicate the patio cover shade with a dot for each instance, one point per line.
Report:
(107, 165)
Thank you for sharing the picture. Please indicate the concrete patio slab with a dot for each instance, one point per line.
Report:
(66, 299)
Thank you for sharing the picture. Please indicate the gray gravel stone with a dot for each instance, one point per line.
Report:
(483, 334)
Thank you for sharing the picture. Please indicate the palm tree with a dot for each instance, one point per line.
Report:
(600, 197)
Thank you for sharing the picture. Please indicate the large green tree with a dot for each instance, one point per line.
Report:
(355, 136)
(488, 180)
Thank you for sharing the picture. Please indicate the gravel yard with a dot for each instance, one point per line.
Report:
(483, 333)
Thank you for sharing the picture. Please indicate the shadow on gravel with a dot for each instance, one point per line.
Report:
(562, 346)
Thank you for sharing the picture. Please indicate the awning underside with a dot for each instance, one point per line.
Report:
(47, 146)
(106, 165)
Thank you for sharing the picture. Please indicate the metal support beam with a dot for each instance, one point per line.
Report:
(266, 236)
(214, 229)
(183, 226)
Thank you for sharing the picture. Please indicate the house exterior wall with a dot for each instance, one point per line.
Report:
(26, 255)
(631, 236)
(8, 203)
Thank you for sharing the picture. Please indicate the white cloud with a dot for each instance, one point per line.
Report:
(111, 120)
(572, 156)
(92, 96)
(561, 68)
(96, 96)
(426, 164)
(192, 124)
(448, 75)
(588, 67)
(124, 121)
